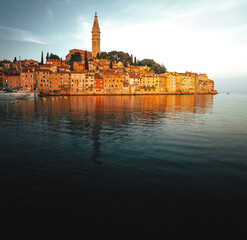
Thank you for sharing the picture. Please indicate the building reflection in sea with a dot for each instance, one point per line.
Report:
(99, 116)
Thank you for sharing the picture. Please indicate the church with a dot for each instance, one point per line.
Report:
(95, 43)
(95, 37)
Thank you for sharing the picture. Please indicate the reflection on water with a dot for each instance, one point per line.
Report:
(94, 116)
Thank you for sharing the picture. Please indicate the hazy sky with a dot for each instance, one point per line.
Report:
(204, 36)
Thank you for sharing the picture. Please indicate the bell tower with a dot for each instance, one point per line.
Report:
(95, 37)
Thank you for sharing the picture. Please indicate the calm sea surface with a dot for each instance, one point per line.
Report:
(158, 165)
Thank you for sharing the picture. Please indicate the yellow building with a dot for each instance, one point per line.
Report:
(171, 82)
(150, 84)
(188, 81)
(113, 82)
(162, 84)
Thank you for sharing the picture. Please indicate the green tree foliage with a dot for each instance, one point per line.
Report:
(116, 56)
(71, 65)
(75, 57)
(103, 55)
(111, 64)
(123, 57)
(15, 60)
(98, 55)
(47, 56)
(131, 61)
(157, 68)
(61, 61)
(42, 59)
(125, 63)
(86, 61)
(54, 56)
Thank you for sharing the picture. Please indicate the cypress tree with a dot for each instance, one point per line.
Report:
(47, 57)
(42, 59)
(86, 61)
(131, 61)
(111, 65)
(135, 63)
(98, 56)
(61, 61)
(15, 60)
(125, 63)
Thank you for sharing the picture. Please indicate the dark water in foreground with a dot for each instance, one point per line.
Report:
(137, 165)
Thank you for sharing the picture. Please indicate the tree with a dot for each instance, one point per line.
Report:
(86, 61)
(47, 57)
(54, 56)
(71, 65)
(98, 55)
(152, 64)
(61, 61)
(111, 64)
(125, 63)
(157, 68)
(42, 59)
(131, 61)
(103, 55)
(135, 63)
(75, 57)
(15, 60)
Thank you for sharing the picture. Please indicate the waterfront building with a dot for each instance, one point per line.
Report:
(55, 83)
(135, 82)
(89, 86)
(98, 83)
(150, 83)
(65, 78)
(171, 82)
(188, 82)
(42, 77)
(113, 82)
(13, 82)
(27, 78)
(203, 84)
(77, 83)
(162, 84)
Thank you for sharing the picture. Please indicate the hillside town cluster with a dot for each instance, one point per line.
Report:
(97, 76)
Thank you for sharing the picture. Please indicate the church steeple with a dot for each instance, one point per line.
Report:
(95, 36)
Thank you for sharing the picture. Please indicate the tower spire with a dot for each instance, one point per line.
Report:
(95, 36)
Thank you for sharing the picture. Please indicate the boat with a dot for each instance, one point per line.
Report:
(13, 94)
(32, 95)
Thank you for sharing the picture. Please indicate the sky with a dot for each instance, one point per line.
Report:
(203, 36)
